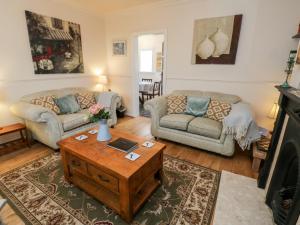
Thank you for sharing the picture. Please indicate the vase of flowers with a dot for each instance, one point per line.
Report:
(98, 113)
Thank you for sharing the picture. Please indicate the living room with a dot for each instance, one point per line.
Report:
(231, 53)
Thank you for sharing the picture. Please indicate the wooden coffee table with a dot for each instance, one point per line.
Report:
(107, 175)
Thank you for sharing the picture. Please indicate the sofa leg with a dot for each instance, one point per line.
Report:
(156, 138)
(113, 126)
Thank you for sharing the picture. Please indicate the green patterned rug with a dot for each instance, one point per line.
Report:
(40, 195)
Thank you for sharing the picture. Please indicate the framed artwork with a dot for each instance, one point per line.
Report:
(159, 62)
(298, 56)
(55, 45)
(119, 48)
(216, 40)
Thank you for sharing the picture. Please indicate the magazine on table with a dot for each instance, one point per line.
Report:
(123, 144)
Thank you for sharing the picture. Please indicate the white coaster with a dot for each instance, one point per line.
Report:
(148, 144)
(93, 132)
(132, 156)
(81, 137)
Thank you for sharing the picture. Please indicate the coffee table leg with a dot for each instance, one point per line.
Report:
(22, 135)
(126, 203)
(65, 165)
(160, 175)
(28, 137)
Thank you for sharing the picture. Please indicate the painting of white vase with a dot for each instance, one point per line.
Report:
(216, 40)
(221, 41)
(206, 48)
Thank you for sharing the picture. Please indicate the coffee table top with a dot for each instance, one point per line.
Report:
(99, 154)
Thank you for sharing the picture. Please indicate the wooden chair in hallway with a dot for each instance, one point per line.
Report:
(156, 91)
(147, 80)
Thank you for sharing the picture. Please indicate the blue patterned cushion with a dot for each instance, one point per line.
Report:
(67, 104)
(197, 106)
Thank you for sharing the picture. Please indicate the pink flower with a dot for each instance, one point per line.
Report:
(95, 109)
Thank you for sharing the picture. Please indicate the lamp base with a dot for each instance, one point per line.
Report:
(285, 85)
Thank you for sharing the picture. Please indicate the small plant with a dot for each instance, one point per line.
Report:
(98, 112)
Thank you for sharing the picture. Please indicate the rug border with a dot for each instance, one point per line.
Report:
(218, 179)
(24, 219)
(10, 203)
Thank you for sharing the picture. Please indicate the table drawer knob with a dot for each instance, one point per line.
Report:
(75, 163)
(103, 178)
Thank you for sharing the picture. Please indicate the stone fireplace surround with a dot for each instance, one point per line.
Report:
(281, 172)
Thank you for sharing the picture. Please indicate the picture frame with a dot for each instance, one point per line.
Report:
(55, 45)
(119, 48)
(215, 40)
(298, 56)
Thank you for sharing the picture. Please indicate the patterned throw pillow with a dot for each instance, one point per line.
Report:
(85, 99)
(46, 101)
(217, 110)
(176, 104)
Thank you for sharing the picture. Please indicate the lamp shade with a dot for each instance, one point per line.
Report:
(274, 111)
(103, 79)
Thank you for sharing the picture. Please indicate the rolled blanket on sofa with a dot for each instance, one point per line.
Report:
(241, 124)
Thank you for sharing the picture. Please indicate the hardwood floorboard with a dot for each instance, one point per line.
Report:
(240, 163)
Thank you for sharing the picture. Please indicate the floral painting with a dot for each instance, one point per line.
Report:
(55, 45)
(216, 40)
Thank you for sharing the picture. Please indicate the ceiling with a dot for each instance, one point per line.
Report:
(106, 6)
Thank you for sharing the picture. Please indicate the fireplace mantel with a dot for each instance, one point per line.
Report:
(283, 191)
(289, 104)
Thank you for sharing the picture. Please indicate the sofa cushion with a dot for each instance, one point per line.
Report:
(71, 121)
(176, 121)
(217, 110)
(67, 104)
(205, 127)
(85, 99)
(176, 104)
(46, 101)
(197, 106)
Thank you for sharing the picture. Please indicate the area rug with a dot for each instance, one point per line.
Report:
(40, 195)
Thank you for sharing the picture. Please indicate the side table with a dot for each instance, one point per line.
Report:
(17, 127)
(260, 149)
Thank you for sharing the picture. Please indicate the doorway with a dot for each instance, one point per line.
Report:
(149, 69)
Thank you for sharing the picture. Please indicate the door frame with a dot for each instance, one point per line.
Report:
(135, 66)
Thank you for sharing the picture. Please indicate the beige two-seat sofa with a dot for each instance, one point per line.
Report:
(199, 132)
(48, 127)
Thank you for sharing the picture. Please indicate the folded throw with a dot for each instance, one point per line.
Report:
(105, 98)
(241, 124)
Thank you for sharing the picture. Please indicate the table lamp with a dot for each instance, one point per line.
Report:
(274, 111)
(103, 81)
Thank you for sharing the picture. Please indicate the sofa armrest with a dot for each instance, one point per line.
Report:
(37, 114)
(31, 112)
(110, 100)
(158, 108)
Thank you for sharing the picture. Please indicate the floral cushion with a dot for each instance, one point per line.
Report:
(176, 104)
(46, 101)
(85, 100)
(217, 110)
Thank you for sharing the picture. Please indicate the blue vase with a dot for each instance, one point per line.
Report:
(103, 133)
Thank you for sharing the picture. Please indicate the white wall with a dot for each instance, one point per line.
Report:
(264, 45)
(16, 69)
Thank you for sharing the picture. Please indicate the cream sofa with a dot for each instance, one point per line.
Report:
(198, 132)
(48, 127)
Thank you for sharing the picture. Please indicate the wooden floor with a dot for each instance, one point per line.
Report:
(240, 163)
